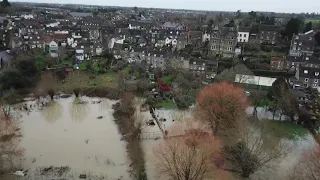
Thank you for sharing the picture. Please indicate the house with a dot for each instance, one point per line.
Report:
(53, 49)
(80, 54)
(308, 77)
(80, 15)
(27, 16)
(50, 23)
(223, 41)
(276, 64)
(302, 44)
(208, 68)
(243, 35)
(292, 63)
(156, 59)
(269, 34)
(173, 26)
(264, 34)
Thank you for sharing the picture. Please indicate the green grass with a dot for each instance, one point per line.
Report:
(286, 129)
(126, 69)
(167, 79)
(166, 104)
(110, 75)
(314, 21)
(273, 53)
(64, 59)
(83, 65)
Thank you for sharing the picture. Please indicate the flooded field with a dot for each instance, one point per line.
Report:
(68, 137)
(79, 133)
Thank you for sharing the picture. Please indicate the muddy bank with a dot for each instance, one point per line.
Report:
(130, 129)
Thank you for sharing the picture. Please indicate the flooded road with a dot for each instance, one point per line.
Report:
(79, 133)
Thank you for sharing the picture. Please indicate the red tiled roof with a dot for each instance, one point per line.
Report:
(60, 36)
(46, 39)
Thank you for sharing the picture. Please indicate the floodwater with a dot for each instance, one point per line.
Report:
(79, 133)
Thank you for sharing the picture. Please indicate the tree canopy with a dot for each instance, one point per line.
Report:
(293, 27)
(308, 27)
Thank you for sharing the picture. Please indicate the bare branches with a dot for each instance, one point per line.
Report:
(309, 166)
(47, 85)
(254, 149)
(186, 152)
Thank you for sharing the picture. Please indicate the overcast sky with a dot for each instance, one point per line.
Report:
(218, 5)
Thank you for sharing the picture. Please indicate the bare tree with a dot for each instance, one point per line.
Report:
(257, 97)
(255, 148)
(48, 84)
(77, 82)
(308, 167)
(186, 152)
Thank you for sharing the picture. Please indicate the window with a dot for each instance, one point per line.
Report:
(316, 73)
(316, 81)
(244, 40)
(240, 35)
(306, 79)
(240, 40)
(245, 35)
(305, 71)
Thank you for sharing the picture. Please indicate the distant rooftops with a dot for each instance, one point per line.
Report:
(80, 14)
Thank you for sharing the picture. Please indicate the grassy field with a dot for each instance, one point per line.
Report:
(166, 104)
(83, 66)
(286, 129)
(314, 21)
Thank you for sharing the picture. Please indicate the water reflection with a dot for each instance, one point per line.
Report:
(52, 112)
(79, 109)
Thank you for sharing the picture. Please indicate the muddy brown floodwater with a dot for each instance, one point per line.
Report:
(79, 133)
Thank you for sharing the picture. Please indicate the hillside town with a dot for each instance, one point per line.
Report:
(197, 80)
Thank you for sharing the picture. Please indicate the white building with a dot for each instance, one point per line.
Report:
(243, 37)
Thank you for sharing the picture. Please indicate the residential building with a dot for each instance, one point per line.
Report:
(269, 34)
(308, 77)
(276, 63)
(302, 44)
(208, 68)
(243, 35)
(223, 41)
(264, 34)
(53, 49)
(173, 26)
(292, 63)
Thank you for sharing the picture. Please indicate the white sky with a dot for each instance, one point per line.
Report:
(296, 6)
